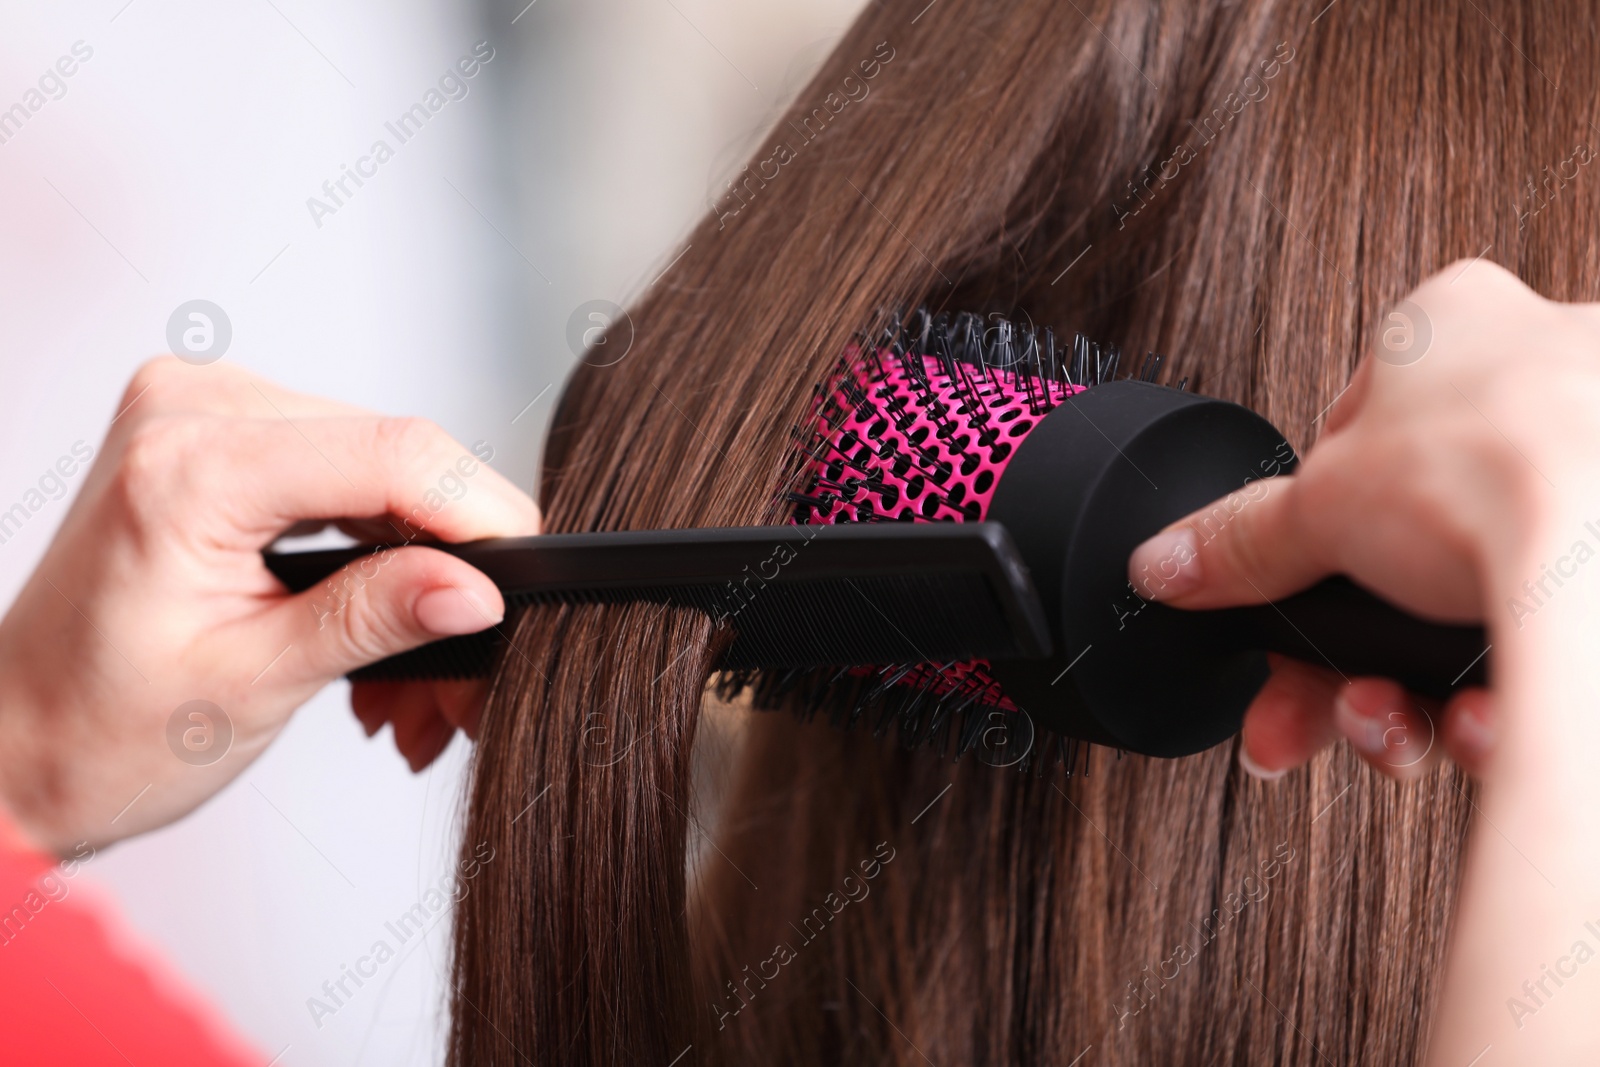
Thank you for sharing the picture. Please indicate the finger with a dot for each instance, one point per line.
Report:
(276, 472)
(167, 385)
(1249, 547)
(1347, 403)
(461, 703)
(1290, 720)
(1470, 730)
(379, 606)
(420, 732)
(372, 701)
(1392, 730)
(375, 466)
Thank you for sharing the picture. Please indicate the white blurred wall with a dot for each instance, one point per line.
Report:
(176, 165)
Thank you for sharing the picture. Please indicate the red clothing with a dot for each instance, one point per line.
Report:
(73, 990)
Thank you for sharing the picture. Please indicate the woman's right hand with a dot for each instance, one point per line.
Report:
(1455, 464)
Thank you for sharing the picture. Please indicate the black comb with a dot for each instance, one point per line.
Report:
(794, 596)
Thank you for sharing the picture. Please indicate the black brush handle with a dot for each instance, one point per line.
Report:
(795, 596)
(1339, 625)
(1114, 465)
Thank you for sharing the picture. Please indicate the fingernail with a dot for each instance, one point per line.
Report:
(1474, 729)
(1255, 769)
(1363, 723)
(448, 612)
(1167, 565)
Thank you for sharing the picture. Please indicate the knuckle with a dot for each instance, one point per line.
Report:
(153, 381)
(1474, 276)
(367, 632)
(166, 384)
(363, 612)
(1243, 551)
(408, 435)
(157, 457)
(1477, 292)
(364, 636)
(1253, 546)
(172, 464)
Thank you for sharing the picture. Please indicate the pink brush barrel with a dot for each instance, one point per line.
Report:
(920, 428)
(904, 440)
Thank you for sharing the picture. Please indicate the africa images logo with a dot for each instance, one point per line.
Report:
(452, 85)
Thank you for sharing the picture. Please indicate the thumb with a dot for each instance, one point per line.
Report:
(383, 604)
(1249, 547)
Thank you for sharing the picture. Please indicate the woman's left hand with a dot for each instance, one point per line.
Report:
(151, 656)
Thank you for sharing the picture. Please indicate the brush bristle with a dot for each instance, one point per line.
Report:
(917, 426)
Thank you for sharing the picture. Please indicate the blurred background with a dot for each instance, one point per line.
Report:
(178, 162)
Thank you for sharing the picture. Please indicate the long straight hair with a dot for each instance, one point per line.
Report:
(1244, 186)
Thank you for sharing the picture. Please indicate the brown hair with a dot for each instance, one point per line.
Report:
(1243, 186)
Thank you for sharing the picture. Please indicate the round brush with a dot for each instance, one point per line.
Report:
(966, 419)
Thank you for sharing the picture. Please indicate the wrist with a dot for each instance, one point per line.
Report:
(1548, 552)
(1542, 614)
(27, 799)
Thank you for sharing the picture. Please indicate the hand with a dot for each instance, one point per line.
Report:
(1434, 477)
(1460, 485)
(154, 595)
